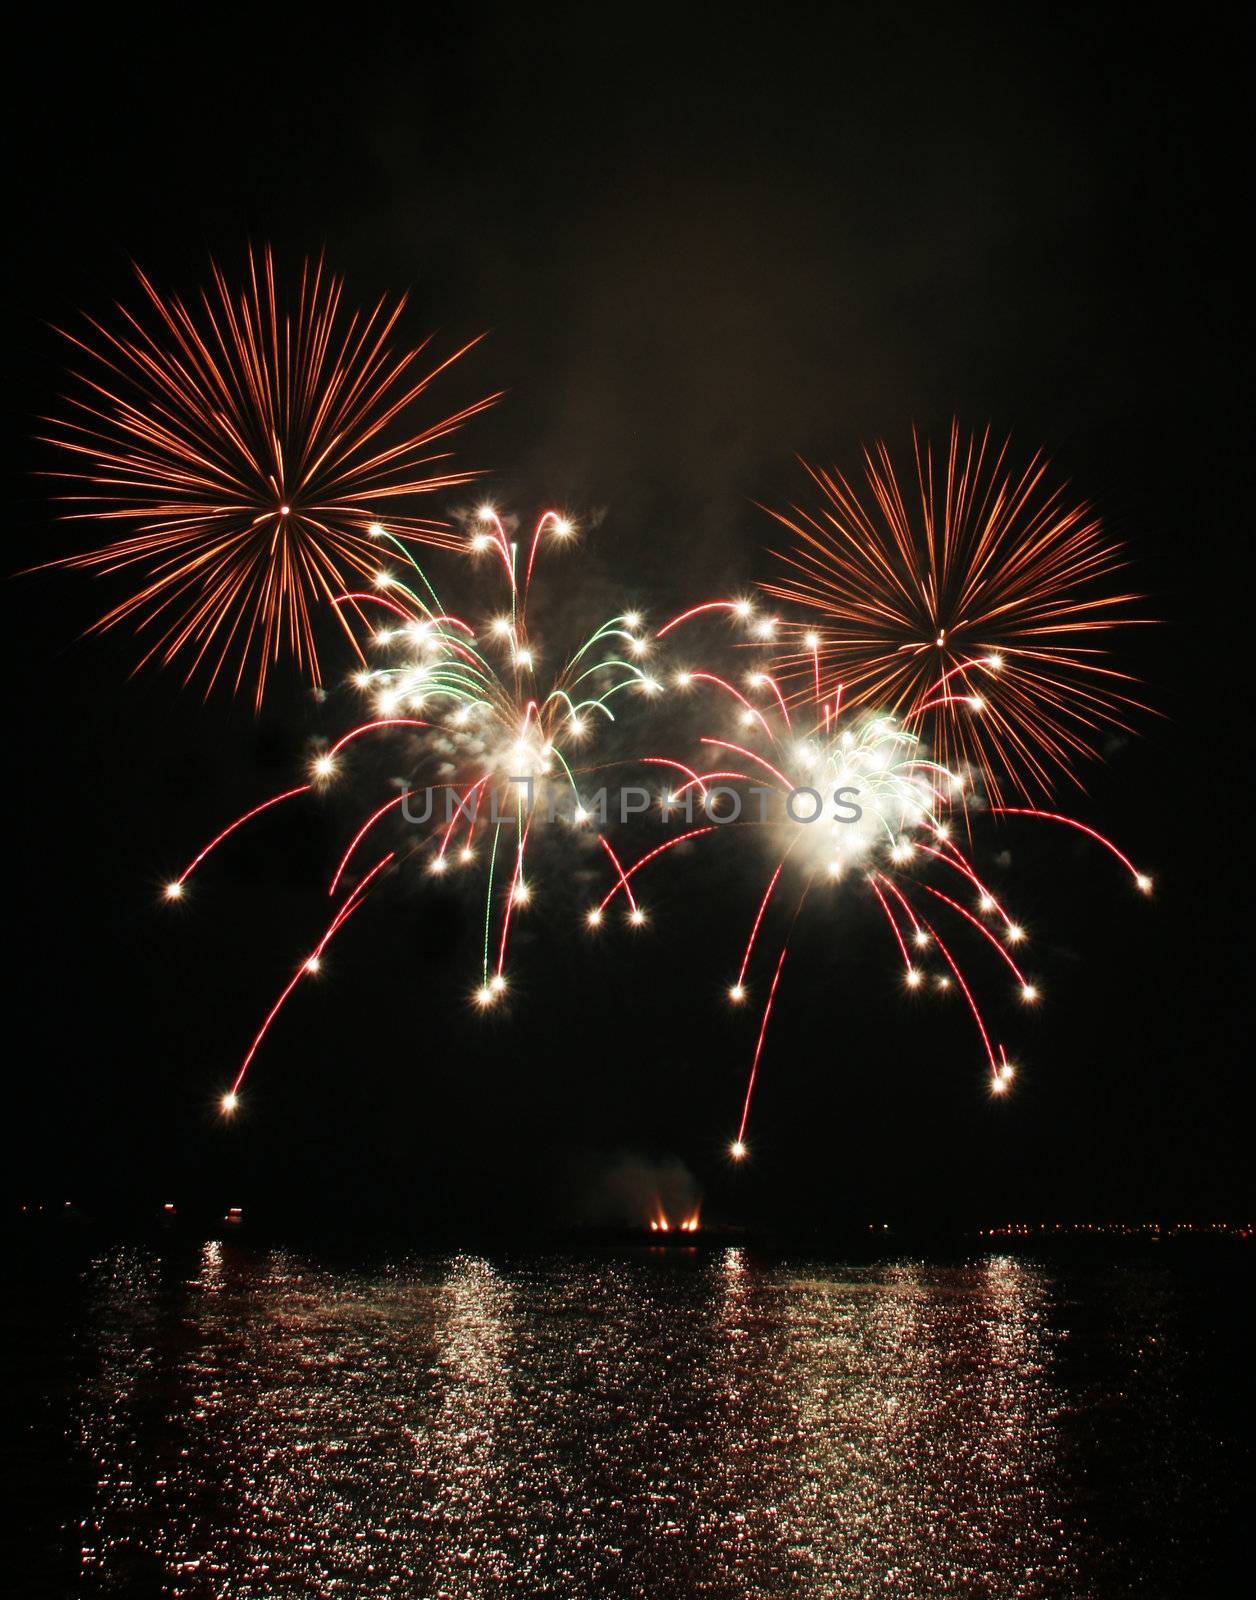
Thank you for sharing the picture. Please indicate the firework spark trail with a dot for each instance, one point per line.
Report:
(561, 526)
(1027, 989)
(951, 857)
(738, 607)
(780, 698)
(983, 572)
(514, 897)
(458, 812)
(248, 443)
(738, 988)
(1140, 878)
(702, 779)
(679, 766)
(968, 995)
(365, 597)
(619, 870)
(174, 889)
(650, 855)
(750, 755)
(397, 800)
(889, 917)
(370, 727)
(918, 932)
(739, 1144)
(308, 966)
(722, 683)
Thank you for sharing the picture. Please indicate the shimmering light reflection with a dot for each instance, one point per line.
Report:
(940, 1399)
(613, 1426)
(459, 1455)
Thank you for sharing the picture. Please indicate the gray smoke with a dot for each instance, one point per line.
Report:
(628, 1187)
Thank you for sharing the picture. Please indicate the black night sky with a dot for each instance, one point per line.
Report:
(699, 246)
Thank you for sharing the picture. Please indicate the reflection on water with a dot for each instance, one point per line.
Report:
(613, 1426)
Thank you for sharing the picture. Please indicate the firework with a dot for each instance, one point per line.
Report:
(845, 798)
(484, 721)
(974, 587)
(246, 448)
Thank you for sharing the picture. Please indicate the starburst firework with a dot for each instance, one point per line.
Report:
(247, 445)
(975, 587)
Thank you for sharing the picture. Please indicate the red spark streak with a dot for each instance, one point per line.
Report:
(383, 722)
(658, 850)
(754, 932)
(1069, 822)
(627, 887)
(889, 917)
(455, 622)
(711, 605)
(239, 823)
(379, 600)
(664, 761)
(710, 677)
(549, 516)
(780, 699)
(959, 978)
(351, 905)
(361, 834)
(510, 899)
(742, 751)
(981, 928)
(703, 779)
(758, 1049)
(957, 863)
(458, 812)
(503, 548)
(901, 898)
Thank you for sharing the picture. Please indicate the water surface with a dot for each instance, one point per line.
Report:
(255, 1423)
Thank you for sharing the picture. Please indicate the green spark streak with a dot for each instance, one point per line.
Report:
(608, 630)
(488, 897)
(514, 590)
(570, 775)
(408, 554)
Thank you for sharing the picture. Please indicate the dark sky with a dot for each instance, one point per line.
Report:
(699, 246)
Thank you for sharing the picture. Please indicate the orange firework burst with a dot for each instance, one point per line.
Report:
(971, 605)
(253, 450)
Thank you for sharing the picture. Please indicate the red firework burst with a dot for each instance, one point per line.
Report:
(976, 597)
(253, 448)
